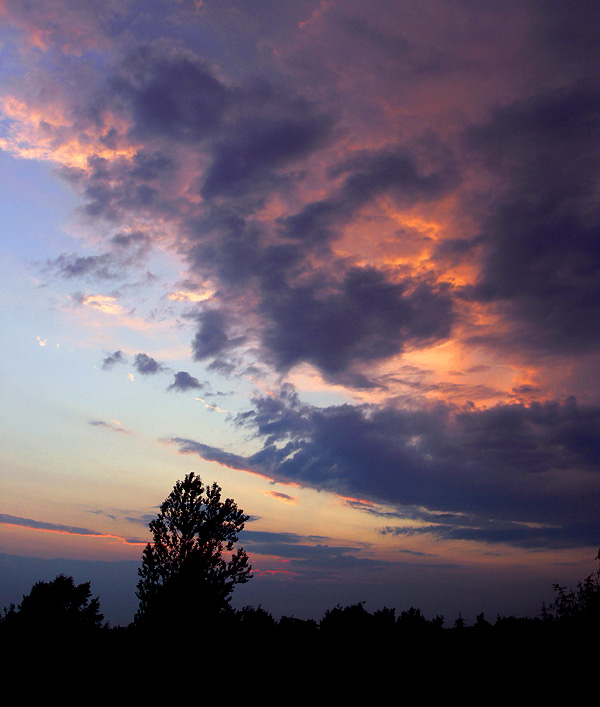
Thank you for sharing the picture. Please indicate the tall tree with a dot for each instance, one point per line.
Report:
(190, 569)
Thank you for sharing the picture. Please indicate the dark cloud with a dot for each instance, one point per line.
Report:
(517, 534)
(303, 550)
(211, 338)
(127, 249)
(214, 454)
(367, 176)
(58, 528)
(511, 473)
(41, 525)
(541, 235)
(146, 365)
(134, 244)
(234, 251)
(367, 319)
(115, 188)
(169, 93)
(247, 160)
(112, 359)
(184, 381)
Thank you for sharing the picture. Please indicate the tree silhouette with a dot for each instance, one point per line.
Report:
(580, 606)
(59, 607)
(190, 569)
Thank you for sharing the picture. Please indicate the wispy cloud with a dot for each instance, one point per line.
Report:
(113, 425)
(66, 529)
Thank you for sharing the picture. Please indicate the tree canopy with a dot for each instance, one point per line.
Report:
(580, 606)
(192, 565)
(57, 606)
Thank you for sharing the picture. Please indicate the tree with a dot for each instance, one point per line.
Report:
(59, 607)
(190, 569)
(581, 606)
(348, 620)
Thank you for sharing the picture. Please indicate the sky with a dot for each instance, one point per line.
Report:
(342, 258)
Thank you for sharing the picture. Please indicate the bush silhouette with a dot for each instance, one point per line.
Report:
(59, 607)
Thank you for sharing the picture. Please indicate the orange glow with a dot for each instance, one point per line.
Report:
(362, 501)
(181, 296)
(45, 133)
(76, 532)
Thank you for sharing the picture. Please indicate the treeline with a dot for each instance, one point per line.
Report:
(63, 608)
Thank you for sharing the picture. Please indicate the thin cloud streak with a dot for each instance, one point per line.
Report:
(64, 529)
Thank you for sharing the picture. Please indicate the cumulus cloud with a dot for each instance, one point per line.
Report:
(170, 93)
(367, 319)
(211, 338)
(146, 365)
(184, 381)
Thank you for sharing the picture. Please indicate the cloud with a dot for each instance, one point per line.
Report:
(146, 365)
(541, 260)
(303, 550)
(109, 361)
(526, 475)
(169, 93)
(71, 265)
(70, 29)
(58, 528)
(515, 534)
(127, 249)
(107, 304)
(184, 381)
(41, 525)
(282, 496)
(214, 454)
(211, 339)
(247, 159)
(367, 318)
(115, 426)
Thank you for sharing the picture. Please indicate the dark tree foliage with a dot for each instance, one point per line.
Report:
(412, 621)
(58, 607)
(190, 569)
(351, 619)
(580, 606)
(256, 620)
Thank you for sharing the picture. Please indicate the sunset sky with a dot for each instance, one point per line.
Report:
(342, 258)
